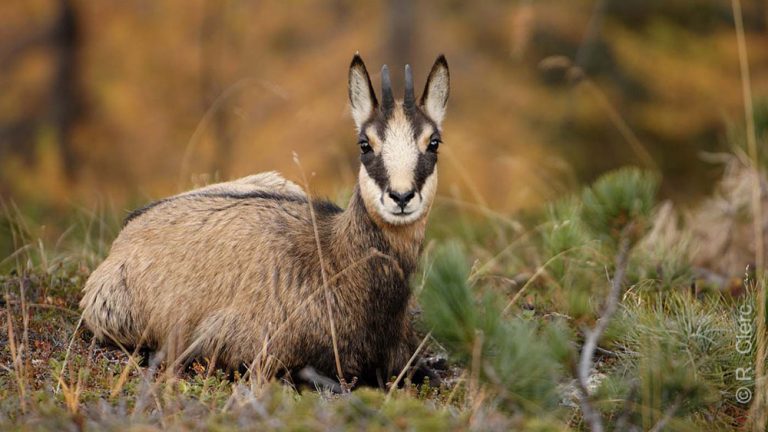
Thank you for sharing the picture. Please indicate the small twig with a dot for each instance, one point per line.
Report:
(132, 361)
(148, 389)
(579, 78)
(502, 219)
(407, 365)
(18, 371)
(621, 422)
(621, 125)
(465, 176)
(326, 293)
(539, 271)
(210, 113)
(668, 413)
(16, 253)
(507, 249)
(45, 306)
(592, 336)
(462, 378)
(474, 375)
(66, 355)
(26, 348)
(373, 253)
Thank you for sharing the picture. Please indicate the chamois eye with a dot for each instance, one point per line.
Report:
(434, 143)
(365, 146)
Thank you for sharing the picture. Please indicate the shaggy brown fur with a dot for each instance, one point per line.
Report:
(232, 271)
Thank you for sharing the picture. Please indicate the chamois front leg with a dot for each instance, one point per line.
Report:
(417, 371)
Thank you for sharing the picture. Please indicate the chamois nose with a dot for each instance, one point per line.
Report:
(402, 199)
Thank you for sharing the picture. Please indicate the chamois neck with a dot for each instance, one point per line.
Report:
(363, 229)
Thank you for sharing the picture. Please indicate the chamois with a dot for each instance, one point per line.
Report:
(238, 271)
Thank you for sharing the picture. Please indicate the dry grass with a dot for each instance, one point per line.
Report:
(54, 377)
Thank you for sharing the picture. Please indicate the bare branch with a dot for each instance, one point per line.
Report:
(592, 336)
(407, 365)
(668, 413)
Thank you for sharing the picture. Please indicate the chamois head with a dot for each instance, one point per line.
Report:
(398, 141)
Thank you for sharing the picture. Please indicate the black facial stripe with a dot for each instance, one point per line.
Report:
(425, 166)
(419, 121)
(374, 166)
(378, 123)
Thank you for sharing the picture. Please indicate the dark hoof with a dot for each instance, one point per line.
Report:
(424, 373)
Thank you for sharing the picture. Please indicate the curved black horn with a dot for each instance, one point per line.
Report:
(410, 100)
(387, 99)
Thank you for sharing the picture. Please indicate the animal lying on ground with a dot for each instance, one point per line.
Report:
(254, 272)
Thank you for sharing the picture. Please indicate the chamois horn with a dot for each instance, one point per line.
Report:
(387, 100)
(410, 100)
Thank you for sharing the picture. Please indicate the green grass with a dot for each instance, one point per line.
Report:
(508, 315)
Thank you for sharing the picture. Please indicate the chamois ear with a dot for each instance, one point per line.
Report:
(435, 97)
(362, 99)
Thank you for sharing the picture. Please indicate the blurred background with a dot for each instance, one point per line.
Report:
(110, 104)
